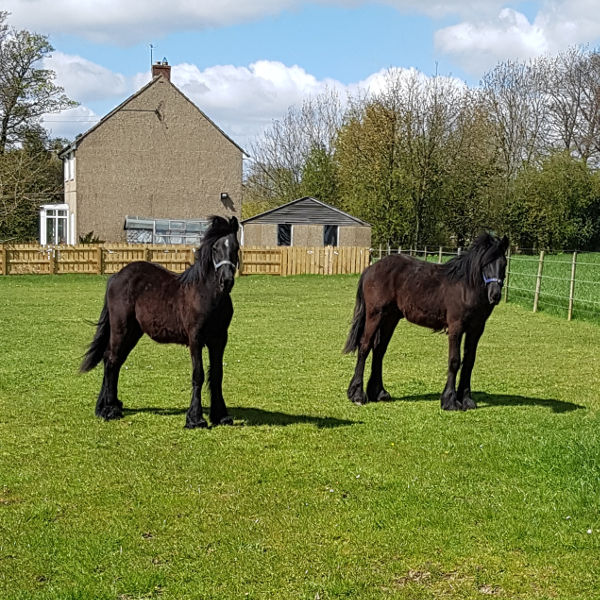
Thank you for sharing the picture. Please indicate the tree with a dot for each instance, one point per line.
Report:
(29, 177)
(301, 144)
(556, 204)
(26, 91)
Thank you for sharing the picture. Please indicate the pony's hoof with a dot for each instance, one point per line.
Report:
(357, 396)
(383, 396)
(199, 424)
(111, 412)
(468, 403)
(227, 420)
(449, 402)
(360, 400)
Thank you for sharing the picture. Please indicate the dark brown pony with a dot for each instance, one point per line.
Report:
(456, 297)
(193, 309)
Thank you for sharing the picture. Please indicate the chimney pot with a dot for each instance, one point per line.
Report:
(162, 68)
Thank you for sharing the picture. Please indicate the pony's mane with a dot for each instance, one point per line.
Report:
(219, 227)
(485, 249)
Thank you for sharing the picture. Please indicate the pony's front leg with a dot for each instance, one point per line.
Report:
(448, 399)
(194, 416)
(464, 387)
(218, 411)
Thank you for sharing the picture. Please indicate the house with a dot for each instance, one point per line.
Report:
(152, 170)
(305, 222)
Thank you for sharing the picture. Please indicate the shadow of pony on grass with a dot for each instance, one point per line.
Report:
(256, 417)
(485, 400)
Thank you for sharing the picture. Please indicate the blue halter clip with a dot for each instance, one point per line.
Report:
(491, 280)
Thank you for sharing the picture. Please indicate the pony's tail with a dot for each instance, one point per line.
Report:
(99, 344)
(358, 321)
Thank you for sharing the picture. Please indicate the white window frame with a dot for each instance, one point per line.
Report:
(68, 218)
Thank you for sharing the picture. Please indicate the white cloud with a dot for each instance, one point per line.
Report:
(85, 80)
(129, 22)
(69, 123)
(478, 44)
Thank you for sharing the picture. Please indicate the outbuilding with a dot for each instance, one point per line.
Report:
(305, 222)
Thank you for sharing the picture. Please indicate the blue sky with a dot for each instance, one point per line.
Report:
(244, 63)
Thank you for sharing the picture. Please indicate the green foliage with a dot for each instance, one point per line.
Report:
(26, 92)
(307, 495)
(556, 204)
(29, 177)
(319, 176)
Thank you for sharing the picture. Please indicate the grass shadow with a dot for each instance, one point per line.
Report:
(253, 416)
(257, 416)
(154, 410)
(485, 400)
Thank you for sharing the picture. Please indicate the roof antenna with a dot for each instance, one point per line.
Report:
(151, 57)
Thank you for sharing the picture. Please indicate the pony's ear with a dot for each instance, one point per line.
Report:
(505, 243)
(234, 225)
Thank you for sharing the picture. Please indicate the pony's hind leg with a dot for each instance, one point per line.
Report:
(375, 390)
(355, 390)
(122, 342)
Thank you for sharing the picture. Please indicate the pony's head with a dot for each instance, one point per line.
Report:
(224, 255)
(483, 265)
(487, 264)
(217, 254)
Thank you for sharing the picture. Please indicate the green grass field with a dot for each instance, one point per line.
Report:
(307, 496)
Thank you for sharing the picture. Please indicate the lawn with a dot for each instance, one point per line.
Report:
(307, 496)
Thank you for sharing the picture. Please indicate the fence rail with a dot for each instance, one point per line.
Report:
(20, 259)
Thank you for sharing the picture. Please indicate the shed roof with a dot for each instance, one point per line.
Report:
(73, 145)
(306, 211)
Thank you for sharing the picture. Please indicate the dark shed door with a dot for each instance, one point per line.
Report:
(330, 235)
(284, 235)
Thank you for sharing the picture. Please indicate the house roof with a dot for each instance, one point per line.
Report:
(306, 210)
(73, 145)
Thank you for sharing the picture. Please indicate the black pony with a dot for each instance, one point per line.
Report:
(193, 309)
(456, 297)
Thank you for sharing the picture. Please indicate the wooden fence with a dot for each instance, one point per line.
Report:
(20, 259)
(301, 260)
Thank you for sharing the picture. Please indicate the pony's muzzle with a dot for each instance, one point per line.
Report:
(494, 293)
(226, 279)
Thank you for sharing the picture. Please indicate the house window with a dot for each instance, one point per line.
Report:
(284, 235)
(69, 166)
(54, 224)
(330, 235)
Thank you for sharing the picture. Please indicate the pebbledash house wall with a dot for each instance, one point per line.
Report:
(156, 156)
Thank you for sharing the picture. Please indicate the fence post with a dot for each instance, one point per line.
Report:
(440, 256)
(507, 276)
(538, 282)
(379, 251)
(4, 258)
(572, 288)
(55, 257)
(399, 249)
(425, 253)
(389, 249)
(459, 251)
